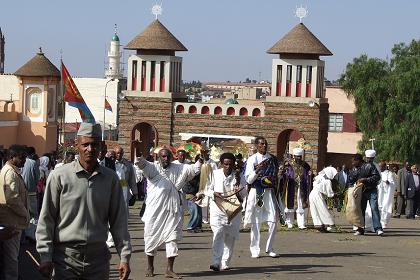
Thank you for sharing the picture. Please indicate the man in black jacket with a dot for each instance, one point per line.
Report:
(368, 174)
(103, 160)
(412, 190)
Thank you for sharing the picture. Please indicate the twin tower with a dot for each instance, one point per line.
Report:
(148, 110)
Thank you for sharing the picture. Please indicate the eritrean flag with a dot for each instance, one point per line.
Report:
(107, 105)
(73, 96)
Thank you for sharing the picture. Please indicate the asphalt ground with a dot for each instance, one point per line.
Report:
(304, 254)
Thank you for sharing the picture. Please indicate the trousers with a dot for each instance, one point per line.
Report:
(255, 238)
(9, 250)
(88, 262)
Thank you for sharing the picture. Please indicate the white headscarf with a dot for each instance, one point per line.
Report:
(43, 163)
(328, 172)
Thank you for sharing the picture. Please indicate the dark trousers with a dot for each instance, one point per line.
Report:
(86, 262)
(400, 204)
(372, 197)
(413, 206)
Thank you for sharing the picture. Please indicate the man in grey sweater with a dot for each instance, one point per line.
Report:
(81, 199)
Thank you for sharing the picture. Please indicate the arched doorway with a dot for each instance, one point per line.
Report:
(286, 141)
(147, 135)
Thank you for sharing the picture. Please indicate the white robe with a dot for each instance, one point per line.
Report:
(224, 233)
(319, 209)
(385, 201)
(163, 216)
(253, 213)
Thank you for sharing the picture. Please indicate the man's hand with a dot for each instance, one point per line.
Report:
(361, 180)
(46, 269)
(124, 270)
(136, 145)
(217, 194)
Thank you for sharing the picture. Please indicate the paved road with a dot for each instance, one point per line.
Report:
(303, 255)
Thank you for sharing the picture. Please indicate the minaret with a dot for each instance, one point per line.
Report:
(2, 42)
(114, 57)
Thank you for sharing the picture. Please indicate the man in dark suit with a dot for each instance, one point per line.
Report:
(343, 178)
(401, 194)
(412, 190)
(103, 160)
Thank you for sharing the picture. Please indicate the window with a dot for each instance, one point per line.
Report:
(35, 103)
(34, 100)
(335, 123)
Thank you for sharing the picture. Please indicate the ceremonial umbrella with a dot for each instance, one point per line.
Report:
(192, 148)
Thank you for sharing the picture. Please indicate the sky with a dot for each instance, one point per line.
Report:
(226, 39)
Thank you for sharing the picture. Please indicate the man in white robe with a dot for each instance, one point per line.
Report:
(322, 187)
(386, 190)
(163, 216)
(268, 212)
(223, 183)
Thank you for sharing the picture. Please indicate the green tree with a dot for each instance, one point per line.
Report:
(387, 99)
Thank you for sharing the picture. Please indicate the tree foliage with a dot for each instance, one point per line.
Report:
(387, 99)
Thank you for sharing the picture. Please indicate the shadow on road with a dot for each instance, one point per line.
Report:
(264, 269)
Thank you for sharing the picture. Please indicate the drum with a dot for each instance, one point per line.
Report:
(230, 205)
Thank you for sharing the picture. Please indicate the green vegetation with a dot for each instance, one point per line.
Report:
(387, 98)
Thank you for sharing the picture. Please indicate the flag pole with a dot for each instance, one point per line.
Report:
(103, 124)
(63, 105)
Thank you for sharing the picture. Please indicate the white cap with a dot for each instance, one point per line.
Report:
(370, 153)
(298, 152)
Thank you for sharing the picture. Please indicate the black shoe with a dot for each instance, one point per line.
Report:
(197, 230)
(397, 216)
(215, 267)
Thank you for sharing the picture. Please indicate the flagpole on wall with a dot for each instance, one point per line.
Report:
(103, 124)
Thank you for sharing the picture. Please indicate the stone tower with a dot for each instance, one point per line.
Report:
(2, 51)
(154, 82)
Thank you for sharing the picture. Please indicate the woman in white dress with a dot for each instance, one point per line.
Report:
(322, 188)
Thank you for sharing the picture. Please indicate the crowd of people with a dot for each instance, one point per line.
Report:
(76, 208)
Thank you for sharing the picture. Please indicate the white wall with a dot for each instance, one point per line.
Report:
(93, 90)
(9, 84)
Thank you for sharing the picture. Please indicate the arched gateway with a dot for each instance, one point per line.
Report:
(285, 141)
(147, 135)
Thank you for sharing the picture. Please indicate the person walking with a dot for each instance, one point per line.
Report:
(14, 214)
(82, 201)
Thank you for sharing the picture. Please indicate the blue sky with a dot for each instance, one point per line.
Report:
(226, 39)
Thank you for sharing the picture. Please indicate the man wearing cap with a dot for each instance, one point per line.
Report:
(295, 190)
(82, 201)
(261, 204)
(367, 174)
(163, 215)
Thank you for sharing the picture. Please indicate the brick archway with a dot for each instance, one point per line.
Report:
(284, 139)
(147, 134)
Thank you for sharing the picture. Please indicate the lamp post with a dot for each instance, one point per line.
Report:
(103, 130)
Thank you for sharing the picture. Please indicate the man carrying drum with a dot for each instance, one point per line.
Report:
(226, 190)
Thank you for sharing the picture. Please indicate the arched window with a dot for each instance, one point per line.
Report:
(192, 110)
(180, 109)
(205, 110)
(218, 110)
(256, 112)
(34, 99)
(231, 111)
(243, 112)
